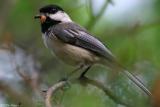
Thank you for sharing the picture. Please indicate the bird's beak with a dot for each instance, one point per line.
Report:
(37, 16)
(41, 17)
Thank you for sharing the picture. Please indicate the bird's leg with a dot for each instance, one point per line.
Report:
(74, 71)
(82, 77)
(71, 73)
(85, 71)
(84, 68)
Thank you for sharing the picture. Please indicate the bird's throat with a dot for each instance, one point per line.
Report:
(46, 25)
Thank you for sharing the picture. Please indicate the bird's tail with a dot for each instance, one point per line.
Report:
(137, 81)
(118, 67)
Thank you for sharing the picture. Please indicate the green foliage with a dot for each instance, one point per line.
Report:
(135, 45)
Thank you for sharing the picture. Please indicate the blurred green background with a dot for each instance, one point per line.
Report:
(129, 28)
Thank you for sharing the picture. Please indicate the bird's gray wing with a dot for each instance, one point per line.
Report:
(75, 35)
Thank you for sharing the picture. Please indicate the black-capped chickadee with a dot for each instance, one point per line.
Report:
(74, 45)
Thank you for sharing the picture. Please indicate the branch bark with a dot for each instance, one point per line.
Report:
(53, 90)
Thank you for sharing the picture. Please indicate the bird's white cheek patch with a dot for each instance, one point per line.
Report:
(56, 16)
(60, 16)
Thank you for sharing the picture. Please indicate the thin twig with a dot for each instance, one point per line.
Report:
(16, 96)
(30, 80)
(90, 8)
(94, 18)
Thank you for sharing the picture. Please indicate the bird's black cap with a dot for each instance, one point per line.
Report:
(52, 8)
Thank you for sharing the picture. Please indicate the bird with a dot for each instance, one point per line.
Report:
(74, 45)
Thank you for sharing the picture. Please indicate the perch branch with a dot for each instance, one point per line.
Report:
(53, 90)
(104, 89)
(83, 80)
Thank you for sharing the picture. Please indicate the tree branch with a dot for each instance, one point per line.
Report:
(82, 80)
(104, 89)
(53, 90)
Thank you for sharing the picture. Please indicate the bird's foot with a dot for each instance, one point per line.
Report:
(67, 85)
(64, 79)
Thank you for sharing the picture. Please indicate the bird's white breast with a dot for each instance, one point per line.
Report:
(69, 53)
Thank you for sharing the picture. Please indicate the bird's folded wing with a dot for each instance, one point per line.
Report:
(77, 36)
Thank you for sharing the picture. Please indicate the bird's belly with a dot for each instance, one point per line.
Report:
(70, 54)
